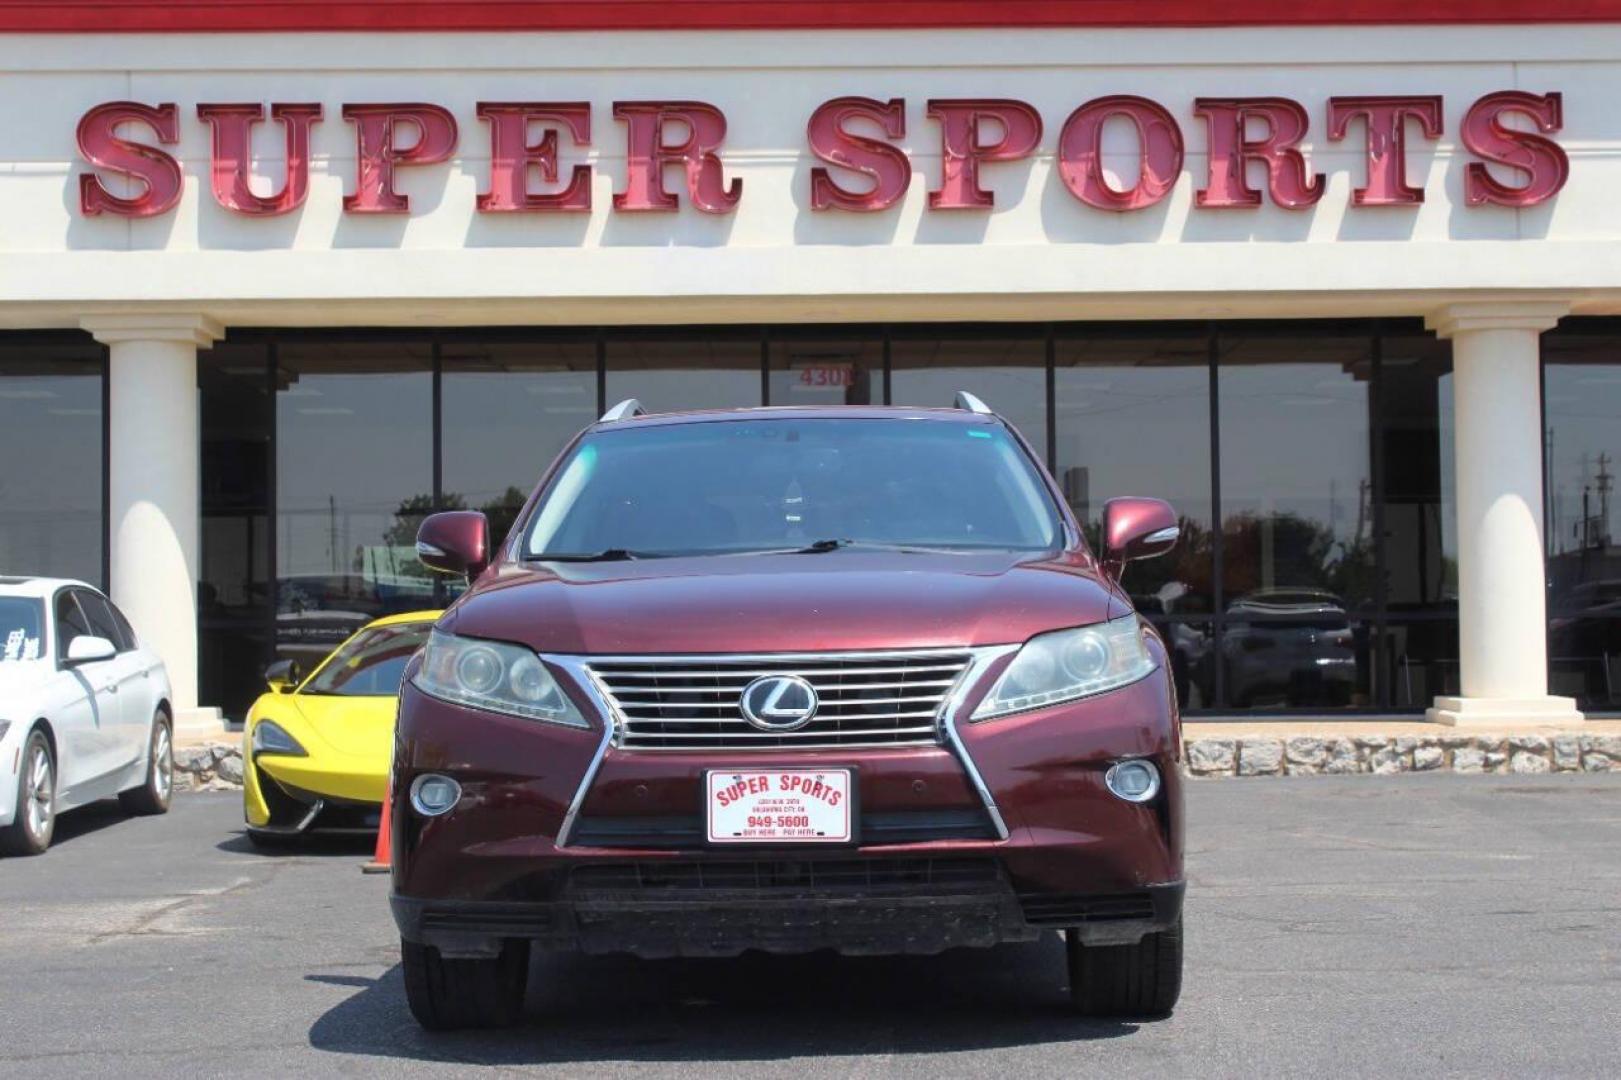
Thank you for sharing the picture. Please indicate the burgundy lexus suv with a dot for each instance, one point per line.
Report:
(789, 679)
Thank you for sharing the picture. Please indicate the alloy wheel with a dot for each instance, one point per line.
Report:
(162, 761)
(41, 793)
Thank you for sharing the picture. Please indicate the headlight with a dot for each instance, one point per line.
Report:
(271, 738)
(495, 676)
(1069, 664)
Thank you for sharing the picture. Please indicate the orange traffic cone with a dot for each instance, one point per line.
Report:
(381, 859)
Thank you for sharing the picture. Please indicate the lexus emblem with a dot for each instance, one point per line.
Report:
(778, 702)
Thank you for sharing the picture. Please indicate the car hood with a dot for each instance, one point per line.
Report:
(355, 726)
(842, 600)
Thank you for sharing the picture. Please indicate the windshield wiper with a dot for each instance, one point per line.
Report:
(821, 547)
(817, 547)
(605, 555)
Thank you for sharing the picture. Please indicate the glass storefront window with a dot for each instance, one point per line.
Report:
(51, 490)
(1296, 490)
(1421, 656)
(1329, 580)
(1008, 373)
(818, 371)
(354, 476)
(1298, 565)
(1132, 413)
(234, 604)
(1133, 418)
(506, 412)
(720, 370)
(1582, 454)
(1415, 452)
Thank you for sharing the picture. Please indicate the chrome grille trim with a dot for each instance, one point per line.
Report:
(702, 711)
(744, 675)
(593, 690)
(800, 740)
(847, 686)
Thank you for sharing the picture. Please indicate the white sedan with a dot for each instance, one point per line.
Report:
(85, 712)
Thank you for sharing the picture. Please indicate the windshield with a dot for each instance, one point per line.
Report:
(729, 487)
(370, 664)
(22, 629)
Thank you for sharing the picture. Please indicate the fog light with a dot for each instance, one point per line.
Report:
(432, 795)
(1133, 781)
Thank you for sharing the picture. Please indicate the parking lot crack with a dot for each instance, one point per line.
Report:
(150, 923)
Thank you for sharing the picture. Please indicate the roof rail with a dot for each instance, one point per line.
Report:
(968, 401)
(623, 411)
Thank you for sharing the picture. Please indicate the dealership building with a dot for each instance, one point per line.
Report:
(276, 280)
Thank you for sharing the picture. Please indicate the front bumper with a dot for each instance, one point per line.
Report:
(860, 907)
(939, 859)
(290, 795)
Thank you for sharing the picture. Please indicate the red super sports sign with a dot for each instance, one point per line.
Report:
(863, 169)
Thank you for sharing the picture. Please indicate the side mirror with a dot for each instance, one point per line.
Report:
(283, 676)
(1136, 528)
(85, 649)
(455, 542)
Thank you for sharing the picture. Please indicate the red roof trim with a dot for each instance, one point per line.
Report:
(180, 16)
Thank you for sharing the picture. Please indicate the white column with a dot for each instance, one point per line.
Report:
(154, 464)
(1502, 594)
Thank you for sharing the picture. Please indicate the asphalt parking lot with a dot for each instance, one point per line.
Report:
(1337, 926)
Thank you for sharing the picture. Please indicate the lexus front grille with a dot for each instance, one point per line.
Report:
(863, 699)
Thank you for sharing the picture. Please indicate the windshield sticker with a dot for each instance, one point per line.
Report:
(19, 646)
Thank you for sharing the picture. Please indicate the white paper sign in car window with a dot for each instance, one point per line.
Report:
(19, 646)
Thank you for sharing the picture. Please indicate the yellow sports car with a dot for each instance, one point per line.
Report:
(316, 750)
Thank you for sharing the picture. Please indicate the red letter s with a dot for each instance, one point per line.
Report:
(104, 149)
(887, 164)
(1542, 160)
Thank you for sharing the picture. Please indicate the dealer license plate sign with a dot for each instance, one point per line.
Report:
(778, 806)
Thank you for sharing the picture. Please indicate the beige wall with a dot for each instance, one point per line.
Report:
(1040, 254)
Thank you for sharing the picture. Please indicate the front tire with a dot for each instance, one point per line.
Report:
(482, 993)
(1142, 980)
(30, 832)
(152, 797)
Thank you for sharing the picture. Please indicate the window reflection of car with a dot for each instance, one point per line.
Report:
(308, 636)
(1588, 600)
(1188, 643)
(1584, 630)
(1288, 646)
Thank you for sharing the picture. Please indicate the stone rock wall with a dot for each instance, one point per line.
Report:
(1308, 755)
(218, 766)
(215, 767)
